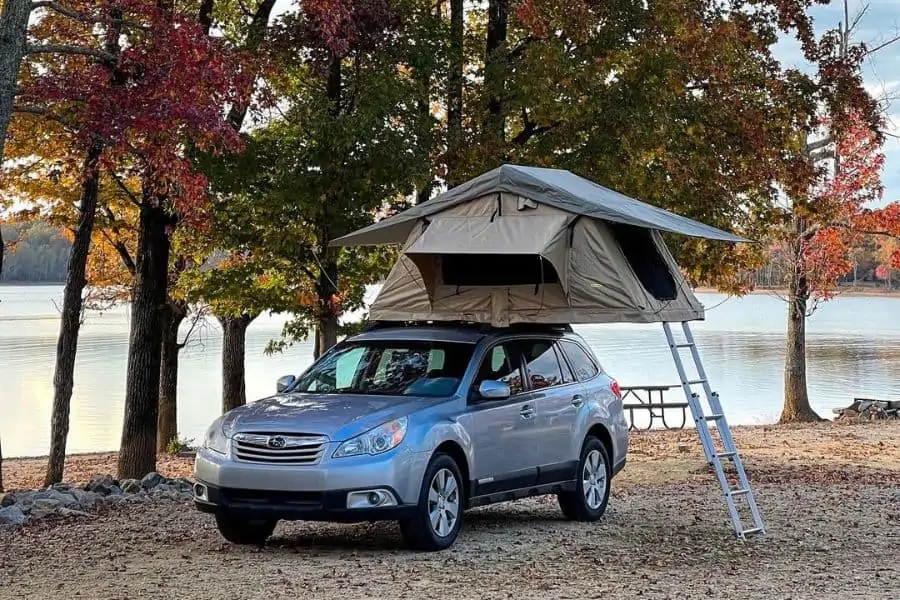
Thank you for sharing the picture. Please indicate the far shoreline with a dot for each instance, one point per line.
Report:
(849, 292)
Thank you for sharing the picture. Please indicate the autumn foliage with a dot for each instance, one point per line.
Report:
(165, 88)
(839, 212)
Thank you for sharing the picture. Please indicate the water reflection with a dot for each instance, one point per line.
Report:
(854, 351)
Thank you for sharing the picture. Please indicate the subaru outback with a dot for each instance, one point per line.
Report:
(417, 423)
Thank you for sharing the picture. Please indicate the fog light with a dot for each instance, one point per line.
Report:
(200, 492)
(370, 499)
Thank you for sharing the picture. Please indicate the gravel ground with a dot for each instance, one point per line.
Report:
(656, 542)
(830, 496)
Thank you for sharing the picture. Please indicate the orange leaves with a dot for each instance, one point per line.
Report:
(837, 210)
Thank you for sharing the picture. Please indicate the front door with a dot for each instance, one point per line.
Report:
(503, 431)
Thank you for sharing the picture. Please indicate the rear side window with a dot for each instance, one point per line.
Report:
(585, 368)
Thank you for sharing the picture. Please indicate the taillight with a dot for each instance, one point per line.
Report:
(614, 386)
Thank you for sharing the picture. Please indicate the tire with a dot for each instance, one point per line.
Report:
(591, 495)
(253, 532)
(442, 490)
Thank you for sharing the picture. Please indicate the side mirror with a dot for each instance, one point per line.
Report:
(491, 389)
(284, 383)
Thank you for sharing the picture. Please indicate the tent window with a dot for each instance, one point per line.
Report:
(642, 254)
(495, 270)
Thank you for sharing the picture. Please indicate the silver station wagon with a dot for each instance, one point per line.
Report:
(417, 423)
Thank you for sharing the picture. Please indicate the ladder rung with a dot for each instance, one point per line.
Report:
(754, 530)
(696, 381)
(683, 346)
(714, 417)
(727, 455)
(739, 492)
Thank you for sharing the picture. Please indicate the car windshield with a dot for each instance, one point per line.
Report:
(389, 367)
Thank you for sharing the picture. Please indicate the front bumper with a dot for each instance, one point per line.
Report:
(329, 505)
(310, 492)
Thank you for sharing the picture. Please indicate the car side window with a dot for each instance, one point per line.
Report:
(542, 364)
(585, 368)
(502, 363)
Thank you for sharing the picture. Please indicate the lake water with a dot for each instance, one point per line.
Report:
(854, 351)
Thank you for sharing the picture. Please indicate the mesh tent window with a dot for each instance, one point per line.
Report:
(645, 260)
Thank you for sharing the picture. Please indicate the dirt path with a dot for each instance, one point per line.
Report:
(833, 516)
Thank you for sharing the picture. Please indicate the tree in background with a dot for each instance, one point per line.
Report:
(830, 184)
(349, 138)
(820, 230)
(177, 81)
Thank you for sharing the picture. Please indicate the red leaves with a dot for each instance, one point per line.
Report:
(838, 210)
(166, 92)
(339, 25)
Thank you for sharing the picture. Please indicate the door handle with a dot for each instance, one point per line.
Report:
(527, 411)
(577, 400)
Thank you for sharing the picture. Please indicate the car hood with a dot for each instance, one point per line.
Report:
(337, 416)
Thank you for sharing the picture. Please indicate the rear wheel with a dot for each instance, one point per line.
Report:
(245, 531)
(591, 495)
(439, 513)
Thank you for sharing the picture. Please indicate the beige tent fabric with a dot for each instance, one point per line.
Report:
(596, 282)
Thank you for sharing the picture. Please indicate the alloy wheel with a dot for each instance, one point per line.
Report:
(443, 502)
(593, 479)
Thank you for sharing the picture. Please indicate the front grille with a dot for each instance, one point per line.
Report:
(279, 449)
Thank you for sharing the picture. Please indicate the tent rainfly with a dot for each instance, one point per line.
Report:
(530, 245)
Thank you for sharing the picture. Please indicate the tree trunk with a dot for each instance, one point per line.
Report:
(173, 314)
(234, 338)
(796, 397)
(326, 288)
(137, 455)
(70, 326)
(13, 30)
(495, 72)
(455, 93)
(328, 332)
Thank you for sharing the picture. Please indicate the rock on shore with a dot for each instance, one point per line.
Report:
(63, 499)
(869, 410)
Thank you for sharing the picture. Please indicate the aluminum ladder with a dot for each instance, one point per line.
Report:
(715, 456)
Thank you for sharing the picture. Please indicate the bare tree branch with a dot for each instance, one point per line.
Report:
(817, 145)
(134, 199)
(66, 49)
(199, 318)
(66, 12)
(882, 45)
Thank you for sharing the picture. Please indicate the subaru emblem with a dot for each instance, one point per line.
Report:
(276, 442)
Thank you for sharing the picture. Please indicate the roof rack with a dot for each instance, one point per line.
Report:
(481, 327)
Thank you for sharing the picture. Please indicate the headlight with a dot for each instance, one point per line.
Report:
(375, 441)
(215, 438)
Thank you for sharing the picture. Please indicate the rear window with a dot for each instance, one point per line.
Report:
(582, 364)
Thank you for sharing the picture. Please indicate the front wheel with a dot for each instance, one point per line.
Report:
(591, 495)
(245, 531)
(436, 523)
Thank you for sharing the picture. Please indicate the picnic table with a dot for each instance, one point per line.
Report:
(641, 398)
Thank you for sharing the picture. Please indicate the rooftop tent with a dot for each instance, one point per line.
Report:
(522, 244)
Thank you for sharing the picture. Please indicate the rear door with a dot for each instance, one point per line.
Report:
(558, 398)
(503, 431)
